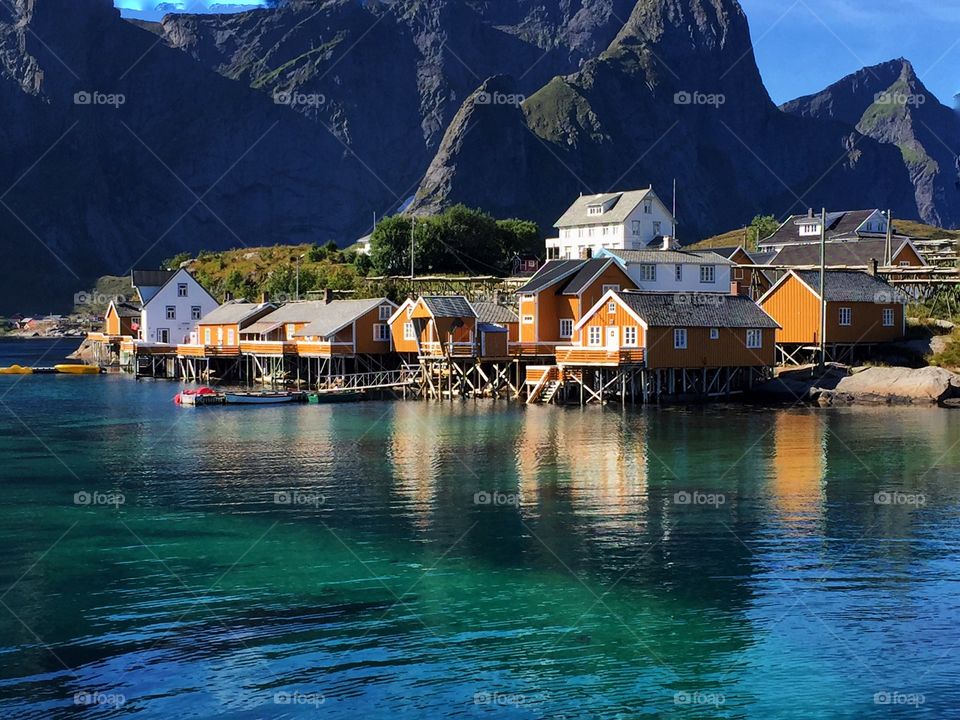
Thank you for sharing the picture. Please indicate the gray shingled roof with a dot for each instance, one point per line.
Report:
(676, 257)
(448, 306)
(127, 309)
(624, 203)
(697, 310)
(494, 313)
(839, 224)
(550, 273)
(329, 317)
(151, 278)
(587, 272)
(236, 311)
(299, 311)
(849, 286)
(859, 252)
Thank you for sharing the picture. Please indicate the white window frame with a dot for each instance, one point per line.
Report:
(171, 312)
(527, 319)
(206, 336)
(708, 274)
(381, 332)
(409, 333)
(608, 288)
(635, 227)
(647, 207)
(182, 290)
(231, 337)
(738, 273)
(656, 227)
(648, 272)
(679, 338)
(163, 335)
(714, 333)
(594, 336)
(888, 314)
(630, 336)
(291, 330)
(754, 339)
(566, 328)
(846, 314)
(385, 312)
(611, 307)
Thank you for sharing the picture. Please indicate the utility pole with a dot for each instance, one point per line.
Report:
(298, 278)
(823, 299)
(413, 222)
(674, 231)
(888, 256)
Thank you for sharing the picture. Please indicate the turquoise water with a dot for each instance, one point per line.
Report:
(337, 561)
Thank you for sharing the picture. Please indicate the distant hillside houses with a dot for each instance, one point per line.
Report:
(629, 220)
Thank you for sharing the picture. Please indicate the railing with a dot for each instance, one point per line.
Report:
(442, 350)
(571, 355)
(267, 347)
(141, 348)
(535, 373)
(323, 349)
(371, 380)
(517, 349)
(100, 337)
(549, 374)
(191, 350)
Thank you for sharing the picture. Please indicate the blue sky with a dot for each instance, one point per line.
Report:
(804, 45)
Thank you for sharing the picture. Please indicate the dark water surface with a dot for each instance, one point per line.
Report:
(410, 560)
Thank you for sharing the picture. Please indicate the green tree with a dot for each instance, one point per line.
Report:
(177, 260)
(518, 237)
(390, 246)
(760, 227)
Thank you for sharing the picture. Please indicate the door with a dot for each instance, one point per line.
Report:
(163, 335)
(613, 338)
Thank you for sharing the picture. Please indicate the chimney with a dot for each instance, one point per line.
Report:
(872, 268)
(264, 298)
(665, 243)
(809, 212)
(227, 296)
(327, 296)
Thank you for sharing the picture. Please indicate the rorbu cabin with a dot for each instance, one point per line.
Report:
(672, 331)
(498, 327)
(861, 310)
(345, 328)
(122, 319)
(219, 331)
(554, 300)
(437, 326)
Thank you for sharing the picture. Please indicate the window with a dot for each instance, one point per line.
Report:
(181, 289)
(163, 335)
(528, 319)
(656, 228)
(714, 333)
(385, 312)
(680, 338)
(206, 336)
(708, 274)
(846, 316)
(635, 227)
(231, 337)
(171, 312)
(594, 210)
(381, 332)
(738, 273)
(888, 317)
(594, 336)
(648, 273)
(754, 339)
(678, 273)
(291, 330)
(904, 263)
(611, 307)
(647, 207)
(630, 335)
(408, 333)
(607, 288)
(566, 328)
(195, 312)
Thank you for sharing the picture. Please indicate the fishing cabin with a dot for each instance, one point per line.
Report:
(861, 311)
(435, 326)
(554, 300)
(498, 327)
(634, 343)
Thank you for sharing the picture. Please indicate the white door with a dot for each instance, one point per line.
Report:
(163, 335)
(613, 338)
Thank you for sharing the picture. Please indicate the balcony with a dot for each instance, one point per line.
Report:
(207, 351)
(306, 348)
(600, 356)
(268, 347)
(443, 350)
(531, 350)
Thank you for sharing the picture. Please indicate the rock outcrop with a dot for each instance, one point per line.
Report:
(892, 386)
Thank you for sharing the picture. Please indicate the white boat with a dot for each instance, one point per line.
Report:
(262, 398)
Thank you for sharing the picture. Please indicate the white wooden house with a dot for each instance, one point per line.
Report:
(173, 303)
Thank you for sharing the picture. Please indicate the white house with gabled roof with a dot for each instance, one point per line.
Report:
(171, 313)
(629, 220)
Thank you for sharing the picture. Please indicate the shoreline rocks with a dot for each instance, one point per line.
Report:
(891, 386)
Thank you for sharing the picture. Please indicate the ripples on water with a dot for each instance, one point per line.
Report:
(462, 560)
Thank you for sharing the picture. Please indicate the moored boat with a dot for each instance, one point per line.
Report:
(262, 398)
(16, 370)
(335, 396)
(76, 369)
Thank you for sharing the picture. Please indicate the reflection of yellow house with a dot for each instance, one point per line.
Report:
(415, 463)
(798, 465)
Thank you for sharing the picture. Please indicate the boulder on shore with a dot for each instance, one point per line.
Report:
(84, 352)
(891, 386)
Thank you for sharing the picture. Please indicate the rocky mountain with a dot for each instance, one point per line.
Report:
(676, 95)
(888, 103)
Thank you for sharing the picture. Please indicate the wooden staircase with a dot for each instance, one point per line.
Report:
(546, 388)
